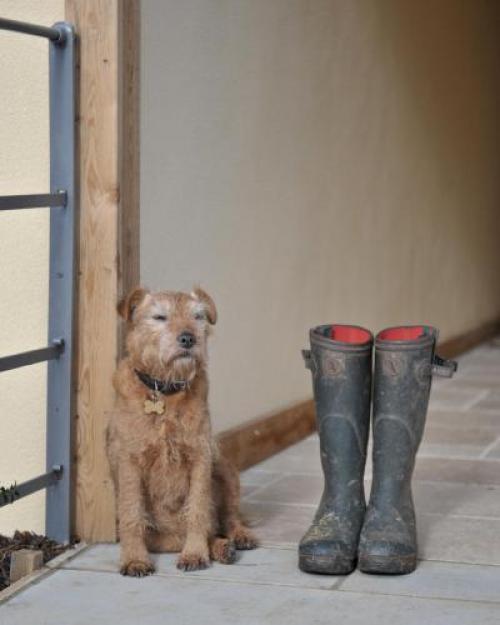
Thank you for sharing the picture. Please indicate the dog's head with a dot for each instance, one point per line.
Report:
(167, 331)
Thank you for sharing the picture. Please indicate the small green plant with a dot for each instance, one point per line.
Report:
(9, 494)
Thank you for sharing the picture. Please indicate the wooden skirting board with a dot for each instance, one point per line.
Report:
(256, 440)
(463, 342)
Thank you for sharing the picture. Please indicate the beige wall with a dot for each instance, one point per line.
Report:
(316, 161)
(305, 161)
(24, 155)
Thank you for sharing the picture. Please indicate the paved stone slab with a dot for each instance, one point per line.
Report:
(278, 524)
(494, 452)
(436, 497)
(464, 471)
(433, 579)
(82, 597)
(458, 499)
(256, 477)
(491, 402)
(465, 539)
(459, 539)
(260, 566)
(455, 420)
(460, 399)
(474, 434)
(301, 458)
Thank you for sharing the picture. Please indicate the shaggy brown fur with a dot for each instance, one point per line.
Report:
(175, 492)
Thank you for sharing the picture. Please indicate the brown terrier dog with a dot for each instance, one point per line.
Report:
(175, 492)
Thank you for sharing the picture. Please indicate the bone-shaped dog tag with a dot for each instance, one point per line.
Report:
(157, 406)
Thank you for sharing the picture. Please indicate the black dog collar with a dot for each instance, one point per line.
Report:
(161, 386)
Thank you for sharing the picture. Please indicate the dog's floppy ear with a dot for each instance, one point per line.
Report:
(201, 296)
(129, 303)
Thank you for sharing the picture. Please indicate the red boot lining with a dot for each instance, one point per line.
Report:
(409, 333)
(349, 334)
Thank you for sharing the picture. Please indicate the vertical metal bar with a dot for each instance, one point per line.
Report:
(61, 282)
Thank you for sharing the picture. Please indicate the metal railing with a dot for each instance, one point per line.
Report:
(61, 202)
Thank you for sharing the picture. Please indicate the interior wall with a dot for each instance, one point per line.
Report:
(24, 168)
(319, 161)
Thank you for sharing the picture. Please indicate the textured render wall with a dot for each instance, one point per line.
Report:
(315, 161)
(24, 160)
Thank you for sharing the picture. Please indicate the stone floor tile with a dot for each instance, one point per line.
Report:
(457, 470)
(247, 489)
(466, 441)
(292, 461)
(104, 598)
(433, 497)
(103, 557)
(252, 485)
(431, 450)
(490, 402)
(257, 477)
(457, 499)
(433, 579)
(458, 539)
(494, 452)
(259, 566)
(482, 367)
(475, 382)
(461, 399)
(292, 488)
(473, 435)
(279, 525)
(454, 419)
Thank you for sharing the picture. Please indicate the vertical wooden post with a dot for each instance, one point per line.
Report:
(129, 145)
(108, 40)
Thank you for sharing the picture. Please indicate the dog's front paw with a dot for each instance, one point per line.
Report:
(137, 568)
(193, 561)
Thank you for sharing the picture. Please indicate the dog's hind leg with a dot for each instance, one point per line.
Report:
(228, 487)
(222, 550)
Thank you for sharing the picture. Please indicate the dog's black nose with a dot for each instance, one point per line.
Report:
(186, 340)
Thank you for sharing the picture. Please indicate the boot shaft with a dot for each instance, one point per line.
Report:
(404, 365)
(403, 375)
(340, 361)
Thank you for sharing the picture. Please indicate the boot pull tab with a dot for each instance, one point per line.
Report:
(442, 367)
(306, 355)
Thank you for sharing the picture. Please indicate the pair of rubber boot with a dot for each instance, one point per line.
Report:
(345, 533)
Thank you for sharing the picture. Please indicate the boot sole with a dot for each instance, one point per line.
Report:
(326, 565)
(387, 565)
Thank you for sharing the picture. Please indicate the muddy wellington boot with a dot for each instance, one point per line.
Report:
(340, 360)
(404, 365)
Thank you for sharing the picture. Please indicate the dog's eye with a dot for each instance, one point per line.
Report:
(200, 316)
(160, 317)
